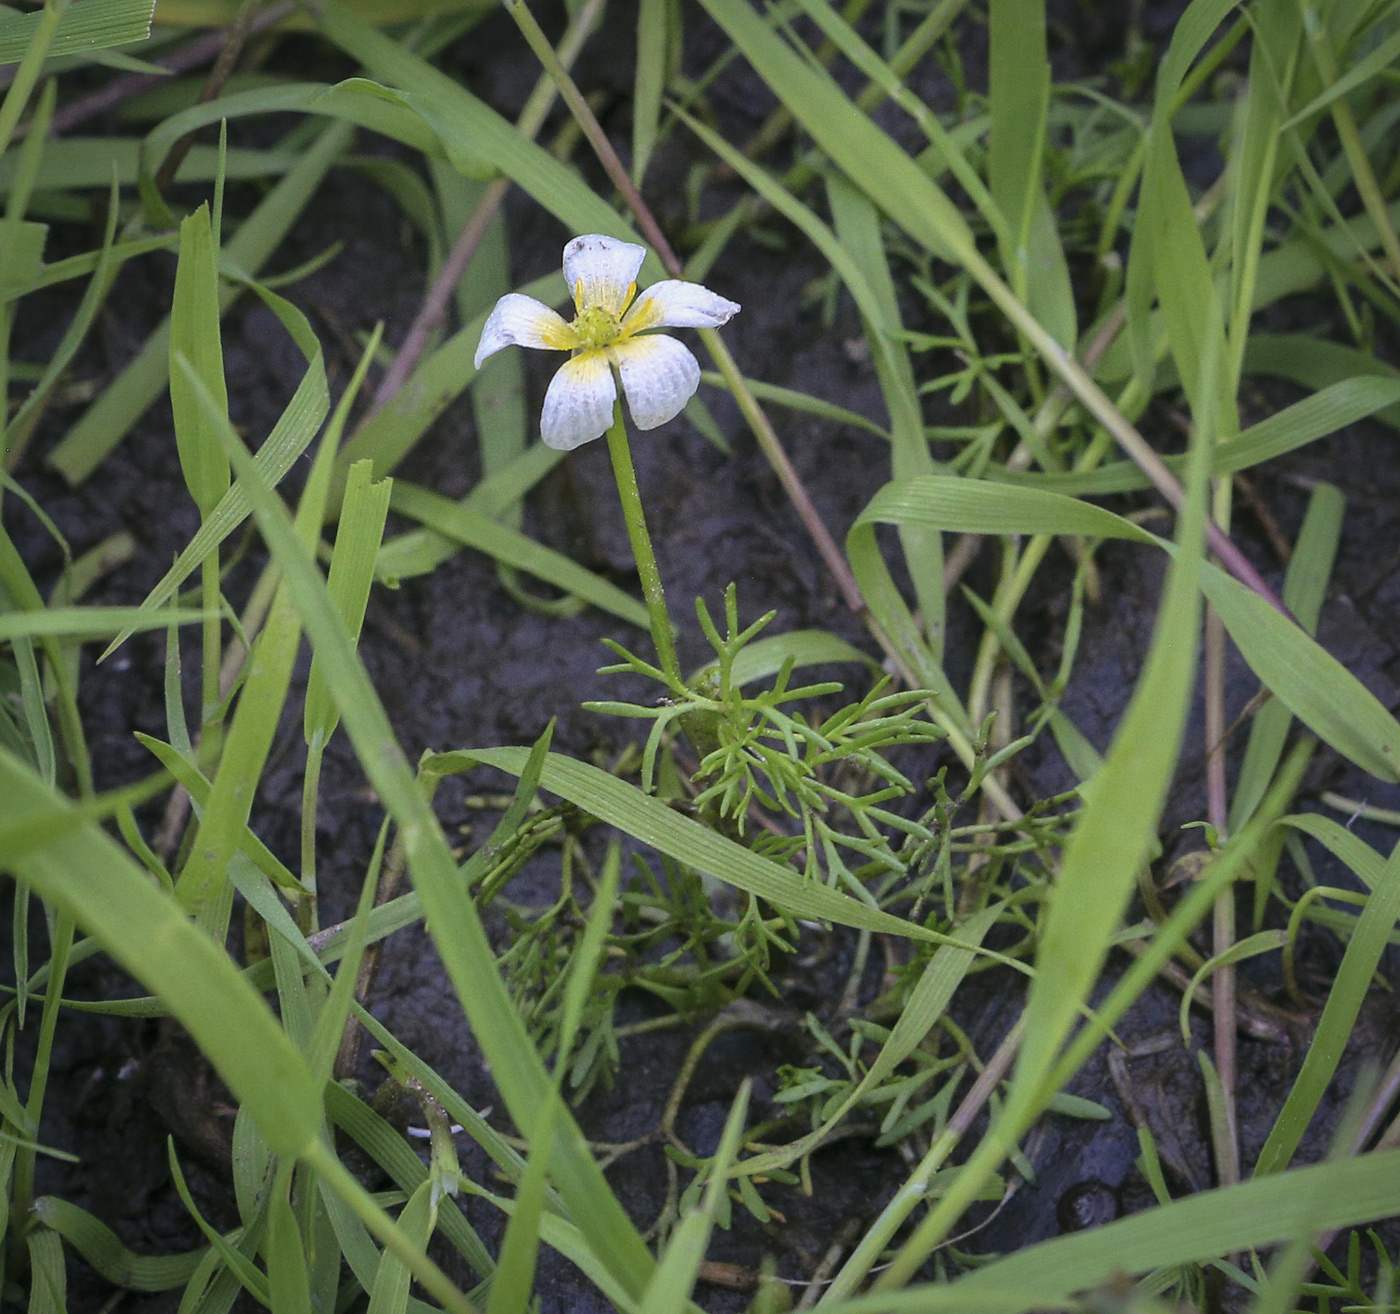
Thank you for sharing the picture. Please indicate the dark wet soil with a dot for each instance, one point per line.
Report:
(460, 664)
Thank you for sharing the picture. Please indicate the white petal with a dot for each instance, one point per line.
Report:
(601, 271)
(675, 304)
(659, 376)
(579, 404)
(522, 321)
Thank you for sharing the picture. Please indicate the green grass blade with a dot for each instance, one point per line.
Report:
(387, 435)
(290, 437)
(1334, 407)
(858, 232)
(93, 25)
(48, 1278)
(102, 1248)
(451, 916)
(1339, 1014)
(150, 936)
(871, 159)
(669, 1290)
(652, 821)
(1111, 840)
(472, 529)
(389, 1294)
(649, 83)
(1304, 588)
(108, 420)
(287, 1284)
(194, 333)
(358, 535)
(1313, 684)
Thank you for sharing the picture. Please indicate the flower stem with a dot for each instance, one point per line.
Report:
(640, 539)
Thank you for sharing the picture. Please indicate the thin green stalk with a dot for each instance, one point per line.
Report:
(635, 516)
(22, 1191)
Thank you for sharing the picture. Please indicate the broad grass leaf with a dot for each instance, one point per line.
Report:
(150, 935)
(360, 529)
(1317, 363)
(1314, 685)
(102, 1248)
(652, 821)
(1198, 1229)
(451, 916)
(110, 418)
(194, 333)
(1304, 588)
(870, 158)
(92, 25)
(1353, 980)
(472, 529)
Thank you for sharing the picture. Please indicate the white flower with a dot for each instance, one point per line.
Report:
(658, 374)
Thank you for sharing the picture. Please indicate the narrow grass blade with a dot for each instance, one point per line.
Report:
(650, 820)
(1344, 1000)
(474, 530)
(194, 332)
(287, 1284)
(649, 82)
(451, 916)
(102, 1248)
(1304, 588)
(358, 534)
(1313, 684)
(93, 25)
(290, 437)
(858, 231)
(669, 1290)
(150, 936)
(108, 420)
(390, 1292)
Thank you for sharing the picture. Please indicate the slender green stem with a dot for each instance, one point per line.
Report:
(640, 539)
(22, 1190)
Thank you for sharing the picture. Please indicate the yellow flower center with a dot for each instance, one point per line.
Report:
(596, 327)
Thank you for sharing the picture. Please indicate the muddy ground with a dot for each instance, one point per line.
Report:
(460, 664)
